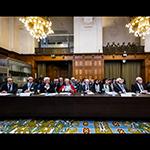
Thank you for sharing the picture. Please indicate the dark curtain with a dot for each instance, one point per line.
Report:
(129, 70)
(41, 69)
(112, 69)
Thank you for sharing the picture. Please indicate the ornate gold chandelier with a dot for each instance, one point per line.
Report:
(38, 27)
(140, 26)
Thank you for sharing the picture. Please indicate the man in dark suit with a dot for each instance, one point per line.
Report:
(119, 86)
(87, 86)
(9, 86)
(138, 86)
(106, 86)
(46, 86)
(30, 86)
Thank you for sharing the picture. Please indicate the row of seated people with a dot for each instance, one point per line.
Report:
(72, 85)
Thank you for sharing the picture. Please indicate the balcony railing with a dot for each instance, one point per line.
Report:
(129, 48)
(47, 51)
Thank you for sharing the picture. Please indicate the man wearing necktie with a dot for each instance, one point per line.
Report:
(9, 86)
(30, 86)
(119, 86)
(138, 86)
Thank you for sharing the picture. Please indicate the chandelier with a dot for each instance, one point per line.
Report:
(140, 26)
(38, 27)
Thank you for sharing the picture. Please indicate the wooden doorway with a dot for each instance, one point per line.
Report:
(55, 69)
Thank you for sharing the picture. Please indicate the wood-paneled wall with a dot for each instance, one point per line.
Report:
(147, 68)
(83, 65)
(88, 66)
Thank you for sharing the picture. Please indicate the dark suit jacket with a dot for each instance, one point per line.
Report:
(33, 87)
(118, 89)
(135, 88)
(102, 88)
(44, 90)
(91, 87)
(14, 88)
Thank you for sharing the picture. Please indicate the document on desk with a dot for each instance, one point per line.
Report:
(5, 94)
(90, 93)
(24, 94)
(50, 94)
(112, 93)
(65, 93)
(128, 94)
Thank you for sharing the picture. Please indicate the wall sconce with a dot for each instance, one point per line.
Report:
(53, 56)
(124, 61)
(124, 54)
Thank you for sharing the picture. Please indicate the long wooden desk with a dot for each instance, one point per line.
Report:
(84, 107)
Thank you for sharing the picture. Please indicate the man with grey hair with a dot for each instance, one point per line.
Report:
(138, 86)
(46, 86)
(30, 86)
(9, 86)
(120, 86)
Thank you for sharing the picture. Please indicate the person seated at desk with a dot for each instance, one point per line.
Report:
(148, 86)
(46, 86)
(61, 82)
(87, 87)
(138, 86)
(97, 86)
(9, 86)
(55, 84)
(30, 86)
(73, 81)
(119, 86)
(106, 86)
(67, 87)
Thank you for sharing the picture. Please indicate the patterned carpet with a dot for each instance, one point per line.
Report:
(73, 127)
